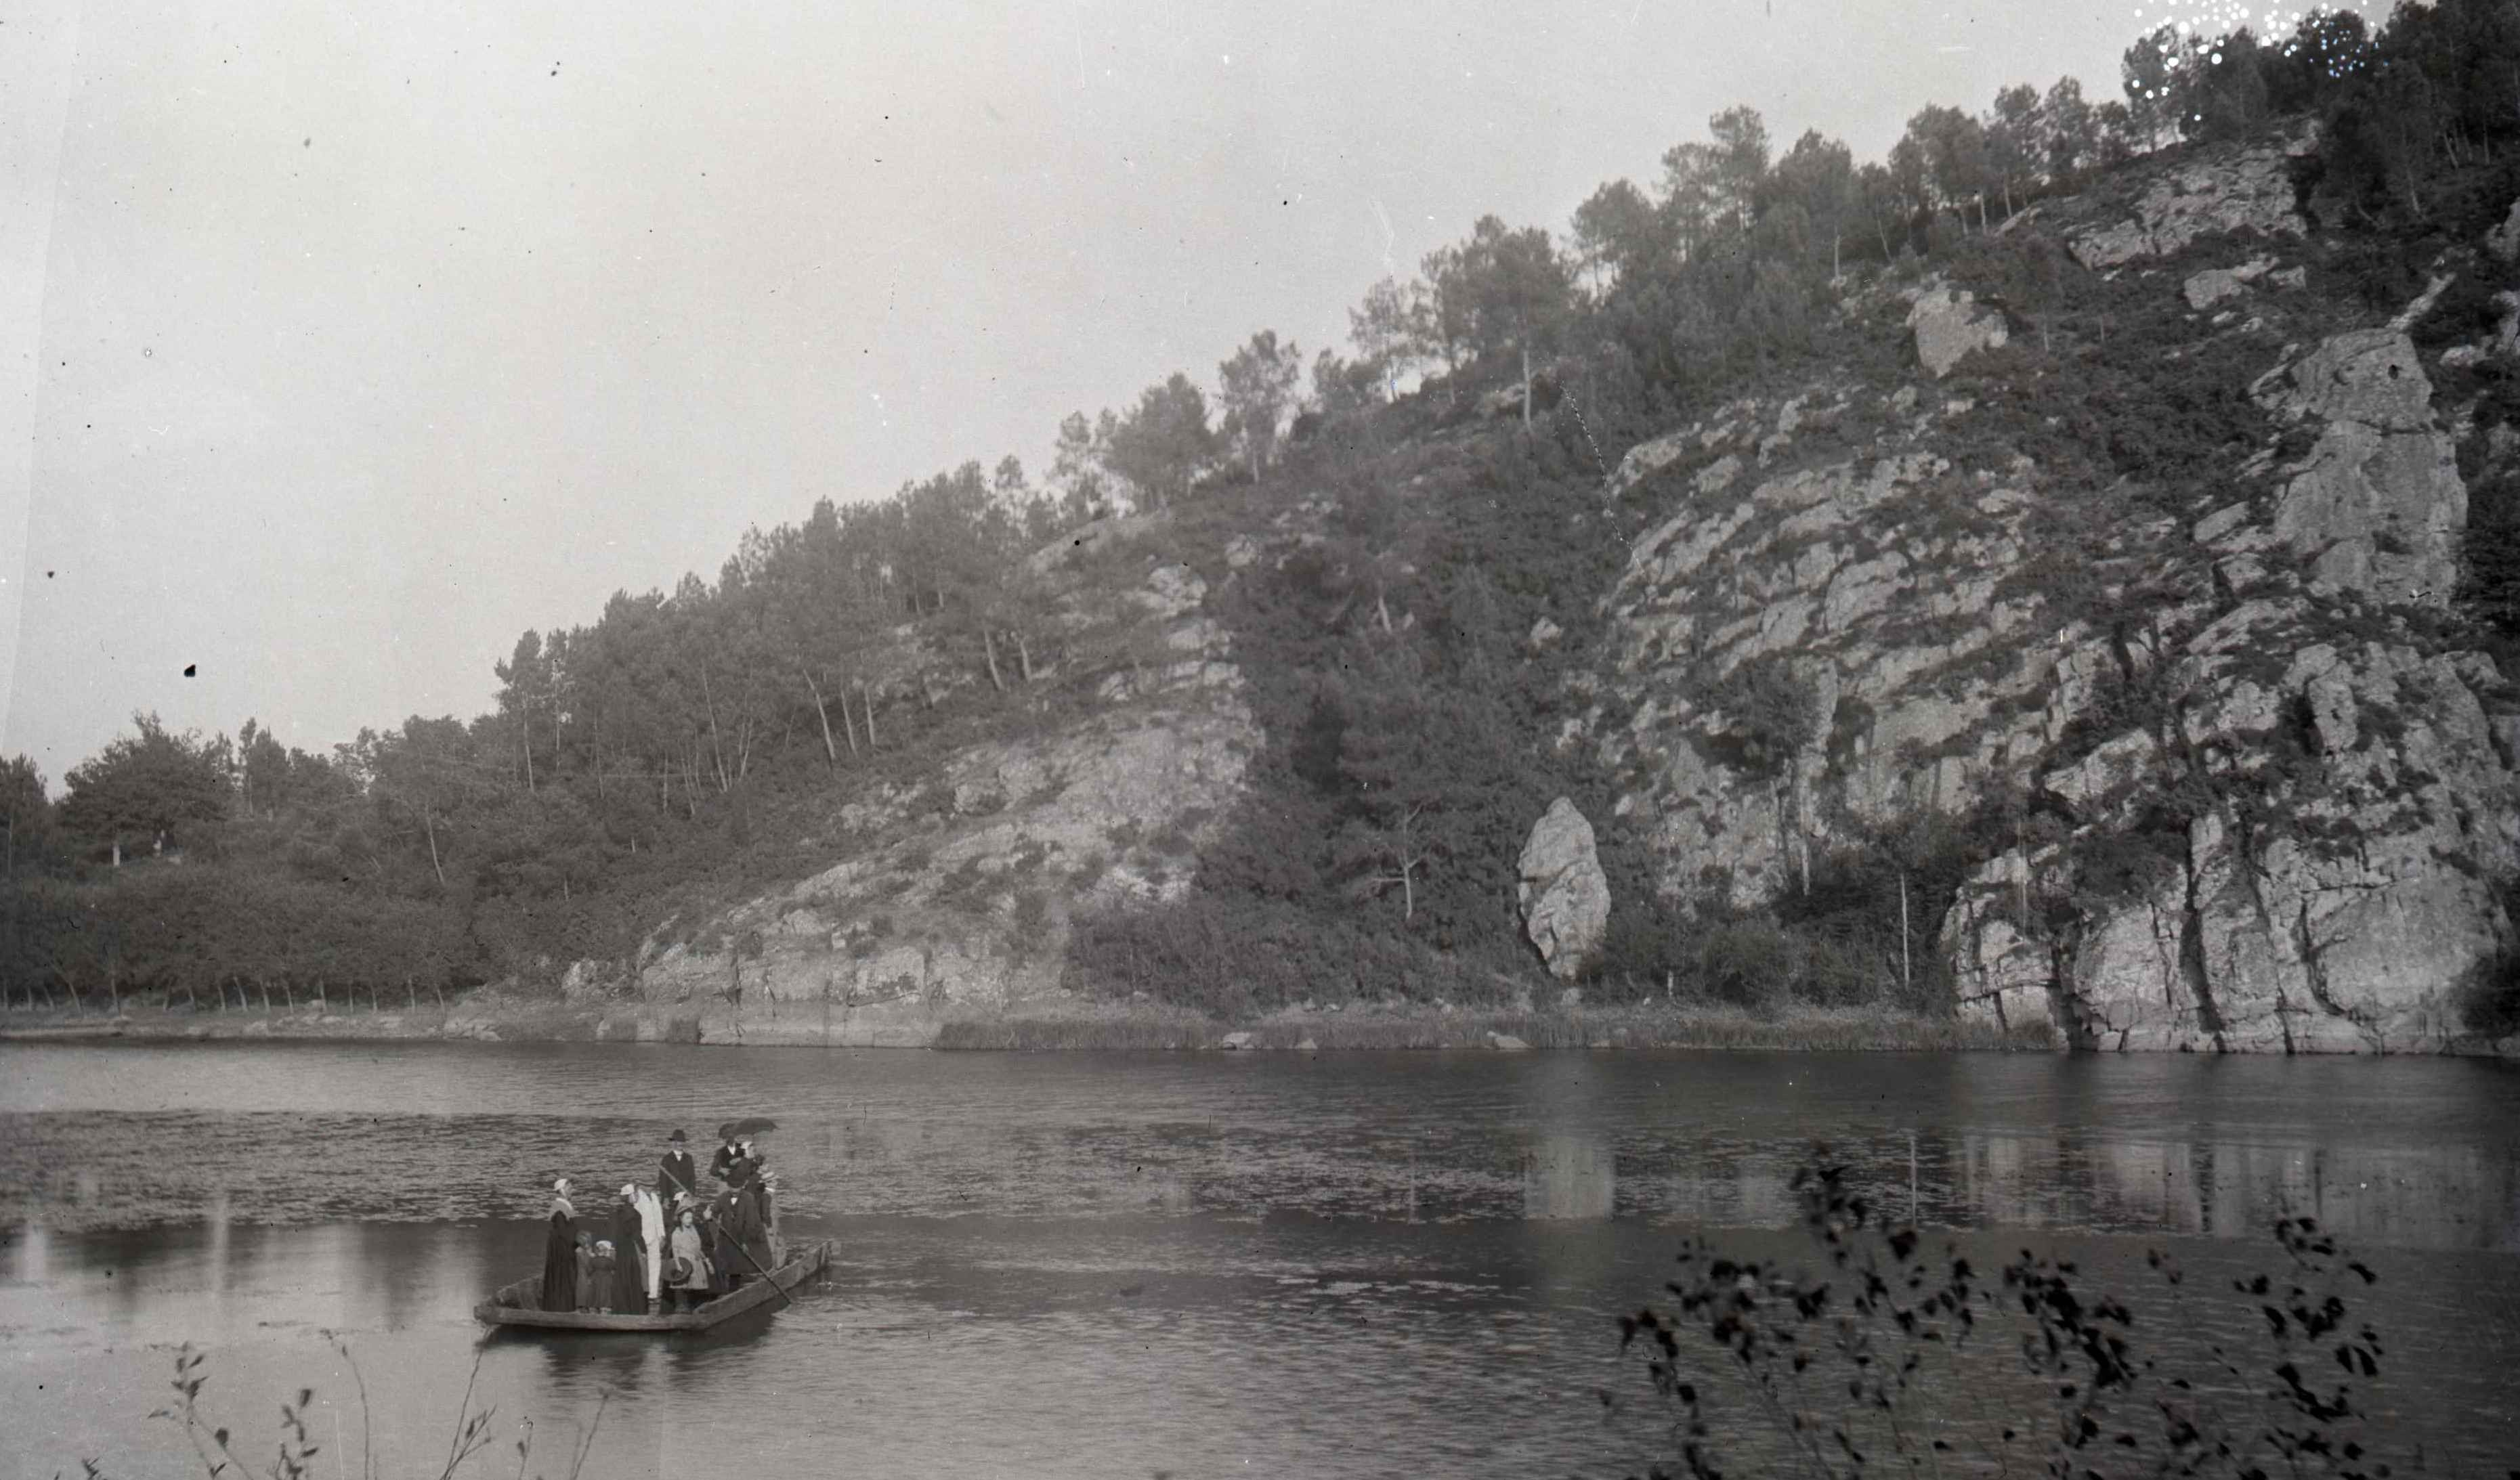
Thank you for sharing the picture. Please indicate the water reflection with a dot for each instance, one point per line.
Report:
(1111, 1264)
(1093, 1346)
(2407, 1153)
(1569, 1174)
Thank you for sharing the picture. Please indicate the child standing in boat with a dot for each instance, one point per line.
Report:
(594, 1273)
(686, 1263)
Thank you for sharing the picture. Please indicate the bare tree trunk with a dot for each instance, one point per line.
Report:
(848, 727)
(1023, 655)
(1526, 387)
(1907, 972)
(717, 748)
(266, 998)
(288, 989)
(866, 701)
(989, 647)
(830, 751)
(323, 999)
(434, 866)
(525, 728)
(112, 986)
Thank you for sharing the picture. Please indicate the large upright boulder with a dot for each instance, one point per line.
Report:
(1564, 896)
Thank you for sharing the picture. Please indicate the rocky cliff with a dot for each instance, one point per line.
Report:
(2255, 796)
(2130, 581)
(953, 892)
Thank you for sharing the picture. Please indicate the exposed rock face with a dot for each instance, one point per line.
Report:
(1564, 896)
(2274, 814)
(1871, 588)
(2336, 929)
(2353, 798)
(1949, 325)
(957, 891)
(2250, 189)
(2377, 506)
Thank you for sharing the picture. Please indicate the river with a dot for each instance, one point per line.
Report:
(1080, 1264)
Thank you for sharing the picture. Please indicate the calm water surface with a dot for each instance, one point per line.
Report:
(1133, 1265)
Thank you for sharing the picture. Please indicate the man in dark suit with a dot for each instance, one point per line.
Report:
(677, 1173)
(730, 1165)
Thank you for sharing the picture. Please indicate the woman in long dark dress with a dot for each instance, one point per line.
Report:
(560, 1252)
(629, 1293)
(722, 1261)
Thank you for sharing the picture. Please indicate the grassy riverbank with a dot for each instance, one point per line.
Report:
(1063, 1022)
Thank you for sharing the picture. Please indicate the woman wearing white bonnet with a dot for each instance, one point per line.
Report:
(560, 1252)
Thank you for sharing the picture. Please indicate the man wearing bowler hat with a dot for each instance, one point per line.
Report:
(677, 1174)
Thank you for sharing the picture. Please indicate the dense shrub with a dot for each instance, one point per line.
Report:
(1879, 1360)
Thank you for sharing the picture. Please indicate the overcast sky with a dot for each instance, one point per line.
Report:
(344, 343)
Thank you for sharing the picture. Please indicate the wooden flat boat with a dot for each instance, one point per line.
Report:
(519, 1304)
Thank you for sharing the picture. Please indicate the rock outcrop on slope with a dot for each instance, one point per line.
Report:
(2275, 810)
(2214, 194)
(955, 892)
(1949, 325)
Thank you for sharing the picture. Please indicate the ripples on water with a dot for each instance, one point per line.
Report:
(1096, 1264)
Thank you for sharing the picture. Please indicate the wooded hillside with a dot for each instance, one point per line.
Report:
(1409, 663)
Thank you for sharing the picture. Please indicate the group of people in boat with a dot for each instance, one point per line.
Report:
(672, 1247)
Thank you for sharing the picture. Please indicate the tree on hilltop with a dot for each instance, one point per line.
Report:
(1817, 178)
(1387, 329)
(1165, 442)
(2012, 152)
(2068, 132)
(1619, 235)
(1257, 385)
(1952, 147)
(1079, 468)
(1511, 290)
(2146, 73)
